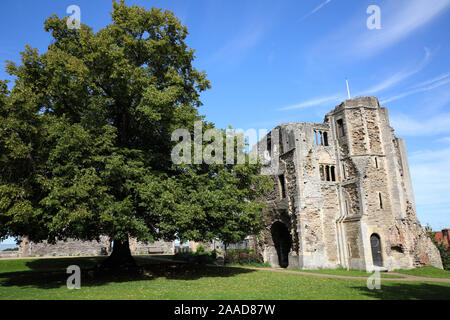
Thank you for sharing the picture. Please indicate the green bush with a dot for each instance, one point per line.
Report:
(242, 256)
(199, 257)
(445, 256)
(443, 250)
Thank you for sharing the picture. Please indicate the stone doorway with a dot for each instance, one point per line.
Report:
(282, 241)
(375, 244)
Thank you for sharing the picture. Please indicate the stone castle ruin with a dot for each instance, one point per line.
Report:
(342, 195)
(72, 247)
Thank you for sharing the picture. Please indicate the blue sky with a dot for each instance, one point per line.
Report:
(283, 61)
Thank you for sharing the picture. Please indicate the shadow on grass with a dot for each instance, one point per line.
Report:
(51, 273)
(408, 291)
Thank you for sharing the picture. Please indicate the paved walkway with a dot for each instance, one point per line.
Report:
(407, 277)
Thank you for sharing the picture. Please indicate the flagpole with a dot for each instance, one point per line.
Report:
(348, 88)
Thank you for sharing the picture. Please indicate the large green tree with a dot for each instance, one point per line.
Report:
(85, 141)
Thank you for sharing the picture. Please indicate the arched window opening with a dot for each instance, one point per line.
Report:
(375, 243)
(325, 138)
(282, 241)
(333, 174)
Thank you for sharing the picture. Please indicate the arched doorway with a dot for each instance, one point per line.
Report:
(375, 244)
(282, 241)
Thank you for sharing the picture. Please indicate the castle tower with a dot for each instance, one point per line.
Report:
(343, 195)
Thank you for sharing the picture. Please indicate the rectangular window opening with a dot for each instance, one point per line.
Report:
(333, 174)
(340, 128)
(282, 186)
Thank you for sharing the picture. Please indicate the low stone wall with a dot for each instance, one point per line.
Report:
(70, 247)
(137, 247)
(73, 247)
(9, 254)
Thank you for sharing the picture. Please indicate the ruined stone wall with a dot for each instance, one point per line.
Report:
(70, 247)
(290, 175)
(160, 246)
(319, 203)
(330, 211)
(331, 222)
(73, 247)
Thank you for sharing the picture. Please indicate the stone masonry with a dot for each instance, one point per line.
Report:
(73, 247)
(342, 194)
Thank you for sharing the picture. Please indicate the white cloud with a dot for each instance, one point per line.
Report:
(399, 20)
(430, 175)
(316, 9)
(315, 102)
(385, 84)
(422, 87)
(444, 139)
(407, 126)
(398, 77)
(256, 22)
(431, 81)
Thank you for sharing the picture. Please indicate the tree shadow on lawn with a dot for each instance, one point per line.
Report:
(51, 273)
(408, 291)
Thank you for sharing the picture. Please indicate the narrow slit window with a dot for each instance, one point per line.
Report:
(381, 200)
(340, 128)
(322, 174)
(269, 146)
(333, 173)
(376, 162)
(325, 138)
(327, 170)
(282, 186)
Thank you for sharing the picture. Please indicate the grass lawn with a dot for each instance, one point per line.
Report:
(428, 271)
(46, 279)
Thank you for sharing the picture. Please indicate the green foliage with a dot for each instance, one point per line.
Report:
(242, 257)
(200, 249)
(443, 249)
(35, 279)
(445, 255)
(198, 257)
(85, 139)
(427, 271)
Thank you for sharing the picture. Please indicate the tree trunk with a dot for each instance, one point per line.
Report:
(120, 256)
